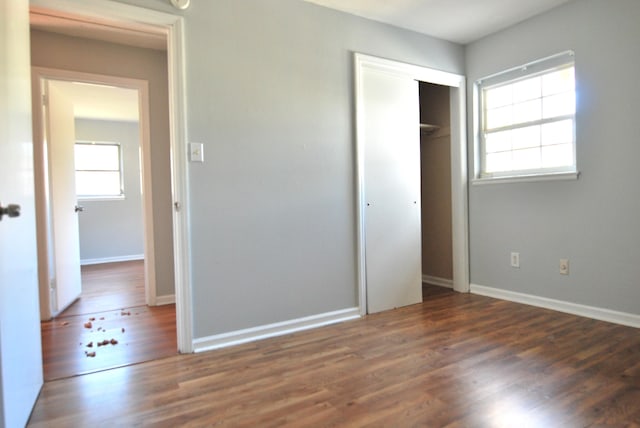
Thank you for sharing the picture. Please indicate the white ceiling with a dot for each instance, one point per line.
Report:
(459, 21)
(102, 102)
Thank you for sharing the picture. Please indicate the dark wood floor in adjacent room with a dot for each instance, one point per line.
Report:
(454, 360)
(113, 302)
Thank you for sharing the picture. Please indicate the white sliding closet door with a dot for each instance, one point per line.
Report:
(389, 136)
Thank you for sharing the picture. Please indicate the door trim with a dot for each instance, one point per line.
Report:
(459, 181)
(38, 74)
(152, 21)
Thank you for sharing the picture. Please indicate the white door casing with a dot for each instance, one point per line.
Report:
(459, 182)
(20, 346)
(60, 134)
(392, 192)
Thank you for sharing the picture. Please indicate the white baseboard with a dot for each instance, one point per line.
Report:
(623, 318)
(434, 280)
(271, 330)
(101, 260)
(167, 299)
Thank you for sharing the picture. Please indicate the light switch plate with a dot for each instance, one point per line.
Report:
(515, 260)
(196, 152)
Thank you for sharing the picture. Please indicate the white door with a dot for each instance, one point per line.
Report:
(60, 135)
(391, 133)
(20, 349)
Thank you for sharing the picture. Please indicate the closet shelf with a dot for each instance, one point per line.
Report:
(428, 128)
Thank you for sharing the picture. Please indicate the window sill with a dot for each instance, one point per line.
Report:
(554, 176)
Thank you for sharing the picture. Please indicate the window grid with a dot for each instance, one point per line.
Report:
(528, 123)
(98, 169)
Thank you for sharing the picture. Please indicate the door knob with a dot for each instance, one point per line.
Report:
(11, 210)
(79, 208)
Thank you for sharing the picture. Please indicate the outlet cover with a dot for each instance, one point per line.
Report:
(564, 266)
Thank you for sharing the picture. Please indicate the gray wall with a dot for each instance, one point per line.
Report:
(90, 56)
(113, 228)
(273, 206)
(270, 94)
(592, 221)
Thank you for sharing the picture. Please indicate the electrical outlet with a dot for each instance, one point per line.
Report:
(564, 266)
(515, 260)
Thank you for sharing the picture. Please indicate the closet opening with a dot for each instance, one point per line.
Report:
(435, 172)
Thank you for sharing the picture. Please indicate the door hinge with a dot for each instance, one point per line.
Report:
(45, 100)
(177, 206)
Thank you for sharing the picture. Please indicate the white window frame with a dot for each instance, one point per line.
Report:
(522, 72)
(120, 166)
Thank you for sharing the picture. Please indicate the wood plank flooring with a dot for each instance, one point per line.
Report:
(109, 286)
(112, 302)
(455, 360)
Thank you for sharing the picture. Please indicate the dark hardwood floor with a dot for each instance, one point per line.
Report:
(455, 360)
(113, 302)
(429, 291)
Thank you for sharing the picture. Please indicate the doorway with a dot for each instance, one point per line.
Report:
(69, 98)
(138, 26)
(167, 29)
(108, 184)
(94, 131)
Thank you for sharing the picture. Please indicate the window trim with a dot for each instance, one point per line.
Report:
(512, 75)
(121, 196)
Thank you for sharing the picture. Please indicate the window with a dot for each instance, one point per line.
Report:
(527, 120)
(98, 170)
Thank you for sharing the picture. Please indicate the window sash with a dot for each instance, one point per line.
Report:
(99, 176)
(565, 158)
